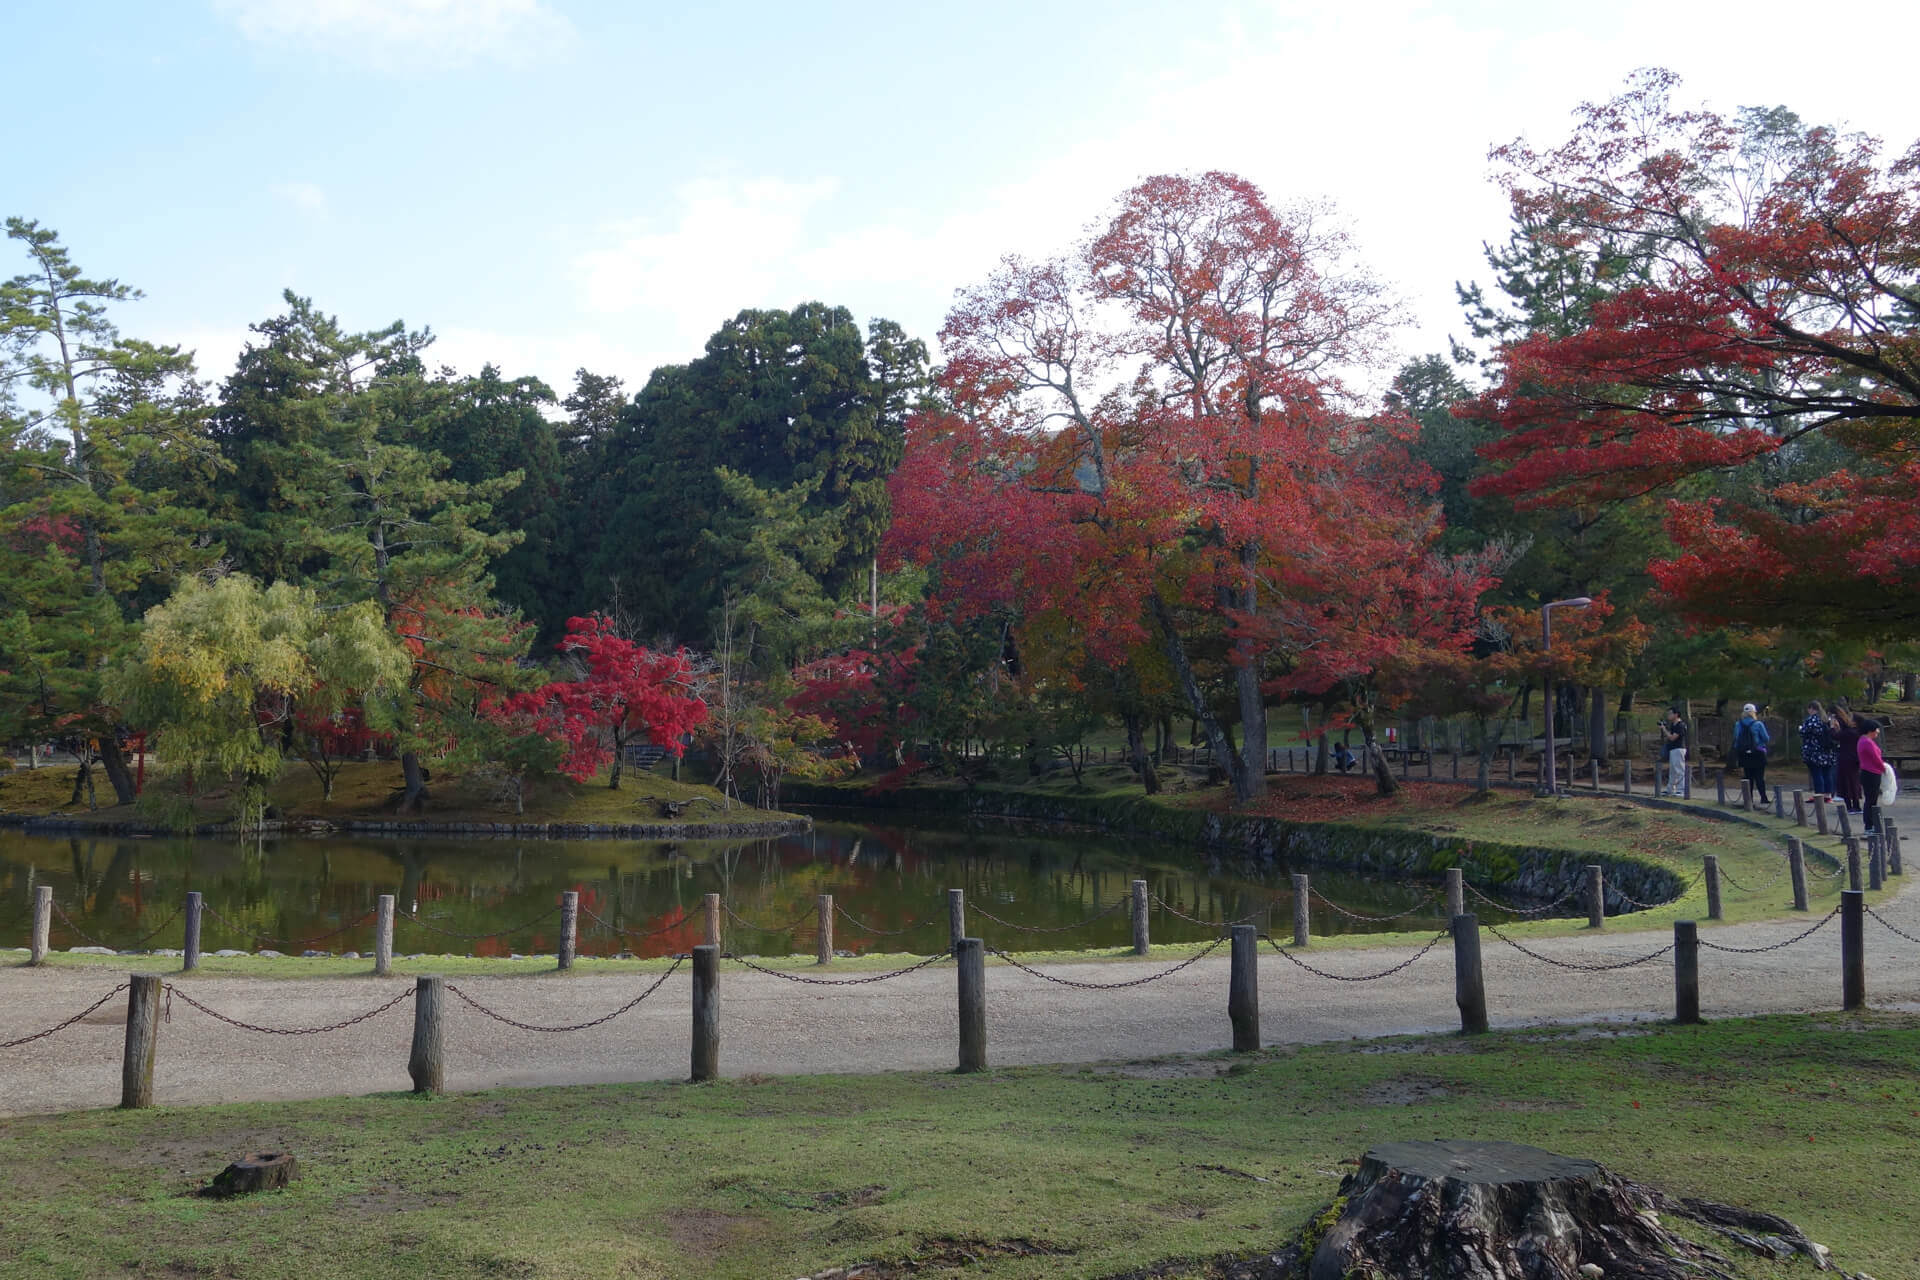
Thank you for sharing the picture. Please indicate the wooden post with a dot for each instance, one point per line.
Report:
(1746, 795)
(1626, 777)
(42, 923)
(1713, 886)
(1686, 780)
(1596, 898)
(1720, 785)
(190, 946)
(1686, 971)
(1846, 820)
(1853, 864)
(383, 937)
(1799, 808)
(1140, 939)
(1469, 984)
(1797, 871)
(1596, 773)
(1820, 814)
(1300, 893)
(427, 1063)
(1510, 756)
(1892, 836)
(1779, 803)
(710, 915)
(143, 1036)
(706, 1012)
(1876, 863)
(1243, 989)
(569, 927)
(972, 955)
(823, 950)
(956, 918)
(1853, 949)
(1456, 892)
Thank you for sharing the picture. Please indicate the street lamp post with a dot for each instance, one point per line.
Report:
(1552, 781)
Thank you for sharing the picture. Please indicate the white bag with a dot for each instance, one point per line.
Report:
(1889, 787)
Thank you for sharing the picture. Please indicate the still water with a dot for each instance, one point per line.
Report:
(889, 881)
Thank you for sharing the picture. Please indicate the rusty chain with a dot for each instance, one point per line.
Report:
(839, 982)
(1773, 946)
(253, 935)
(594, 916)
(578, 1026)
(864, 927)
(173, 990)
(1202, 954)
(1358, 977)
(1520, 911)
(62, 1026)
(1355, 915)
(1172, 910)
(1891, 927)
(68, 921)
(475, 937)
(1581, 965)
(1101, 914)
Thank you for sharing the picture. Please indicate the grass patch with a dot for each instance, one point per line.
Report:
(1055, 1172)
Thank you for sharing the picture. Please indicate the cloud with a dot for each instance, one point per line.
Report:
(304, 196)
(390, 34)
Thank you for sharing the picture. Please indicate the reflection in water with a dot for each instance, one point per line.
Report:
(888, 881)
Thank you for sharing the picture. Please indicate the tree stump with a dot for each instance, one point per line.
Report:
(1499, 1211)
(262, 1171)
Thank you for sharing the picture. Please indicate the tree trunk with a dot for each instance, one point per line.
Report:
(1243, 790)
(1137, 753)
(1383, 779)
(81, 782)
(114, 763)
(414, 798)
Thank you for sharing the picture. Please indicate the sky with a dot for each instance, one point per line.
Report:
(556, 184)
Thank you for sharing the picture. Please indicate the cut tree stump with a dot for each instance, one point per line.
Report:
(262, 1171)
(1500, 1211)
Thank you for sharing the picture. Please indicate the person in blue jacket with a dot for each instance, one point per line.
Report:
(1750, 743)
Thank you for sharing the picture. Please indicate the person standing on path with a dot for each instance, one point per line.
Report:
(1817, 750)
(1750, 743)
(1873, 767)
(1846, 747)
(1674, 733)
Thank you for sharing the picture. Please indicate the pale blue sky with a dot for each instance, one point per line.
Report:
(551, 183)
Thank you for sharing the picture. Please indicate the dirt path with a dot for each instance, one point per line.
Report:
(779, 1027)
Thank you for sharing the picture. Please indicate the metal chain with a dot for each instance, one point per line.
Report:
(578, 1026)
(1172, 910)
(68, 921)
(1581, 965)
(1685, 889)
(1049, 928)
(1210, 948)
(1521, 911)
(1755, 888)
(590, 914)
(838, 982)
(475, 937)
(1358, 977)
(135, 945)
(1773, 946)
(1870, 911)
(62, 1026)
(255, 936)
(173, 990)
(789, 927)
(1355, 915)
(864, 927)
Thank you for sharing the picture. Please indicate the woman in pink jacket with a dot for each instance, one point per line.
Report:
(1873, 767)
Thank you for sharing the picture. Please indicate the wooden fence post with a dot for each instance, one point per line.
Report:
(1626, 777)
(956, 918)
(1891, 832)
(569, 927)
(42, 923)
(1243, 989)
(1846, 820)
(1779, 803)
(706, 1012)
(972, 955)
(1876, 863)
(1456, 892)
(1797, 871)
(1686, 971)
(1853, 864)
(1713, 886)
(1140, 939)
(190, 945)
(1596, 898)
(823, 948)
(710, 916)
(383, 937)
(1799, 807)
(143, 1036)
(1469, 983)
(1300, 894)
(1746, 794)
(1686, 780)
(1720, 785)
(427, 1063)
(1596, 773)
(1853, 950)
(1820, 814)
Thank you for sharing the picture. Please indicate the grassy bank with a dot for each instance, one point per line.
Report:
(1055, 1172)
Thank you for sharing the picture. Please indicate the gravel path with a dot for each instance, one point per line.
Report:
(778, 1027)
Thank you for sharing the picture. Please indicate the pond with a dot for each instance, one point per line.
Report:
(1025, 889)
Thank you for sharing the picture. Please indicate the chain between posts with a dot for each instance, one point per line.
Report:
(1172, 910)
(256, 936)
(1357, 977)
(1685, 889)
(1581, 965)
(1521, 911)
(475, 937)
(1421, 905)
(173, 990)
(62, 1026)
(131, 946)
(578, 1026)
(1047, 928)
(839, 982)
(789, 927)
(594, 916)
(864, 927)
(1755, 888)
(1891, 927)
(1202, 954)
(1775, 946)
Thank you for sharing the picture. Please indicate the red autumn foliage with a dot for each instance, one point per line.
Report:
(627, 694)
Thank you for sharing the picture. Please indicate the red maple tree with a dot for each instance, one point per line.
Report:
(626, 694)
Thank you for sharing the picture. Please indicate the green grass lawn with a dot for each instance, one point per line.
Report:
(1054, 1172)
